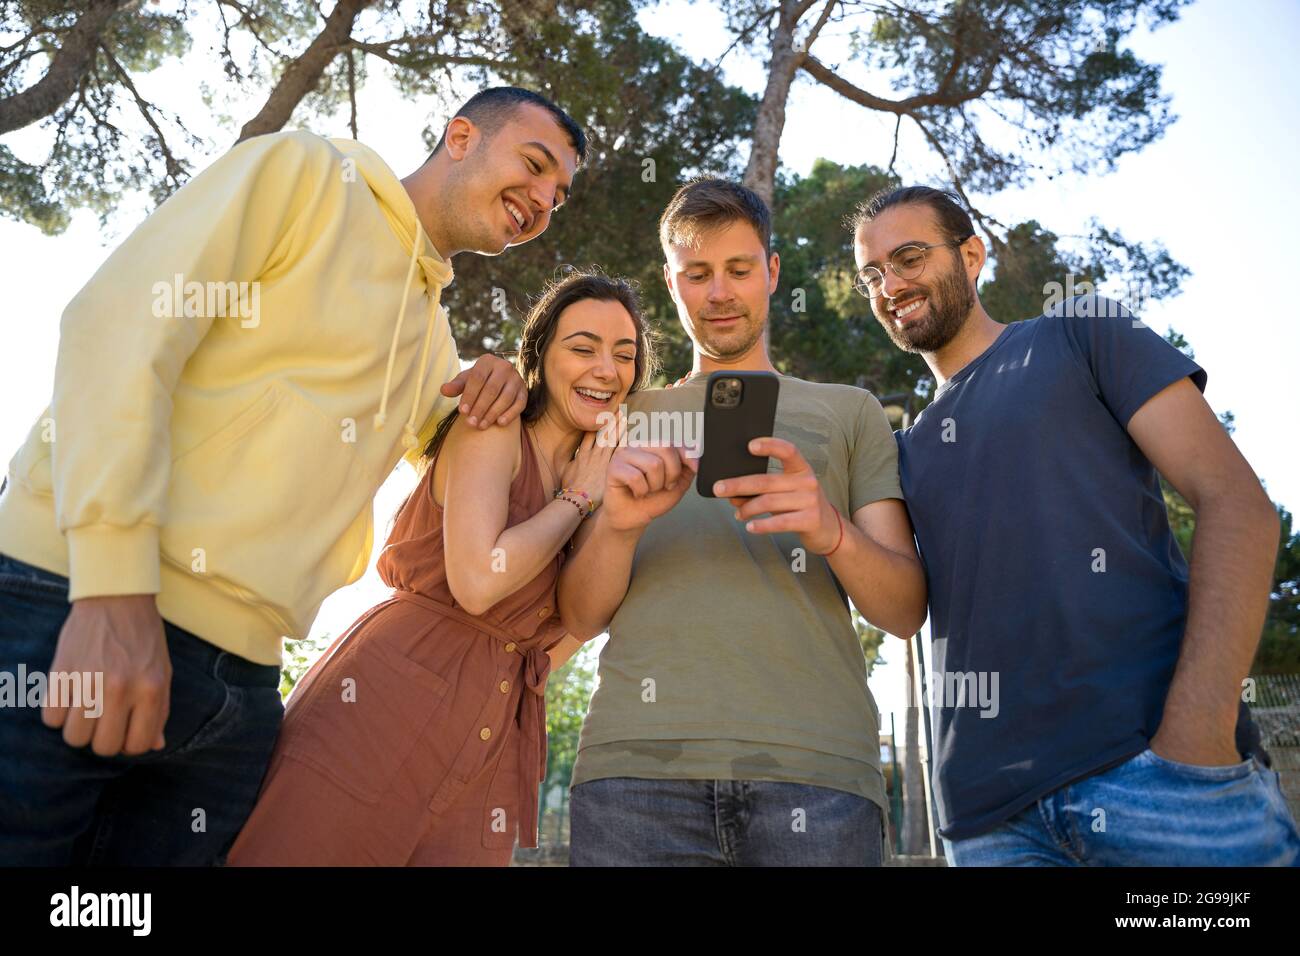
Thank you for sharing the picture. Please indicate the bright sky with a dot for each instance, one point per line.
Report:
(1221, 178)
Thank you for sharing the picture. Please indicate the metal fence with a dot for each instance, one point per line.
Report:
(1274, 701)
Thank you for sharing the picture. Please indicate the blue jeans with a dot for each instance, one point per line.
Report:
(62, 806)
(1147, 811)
(629, 821)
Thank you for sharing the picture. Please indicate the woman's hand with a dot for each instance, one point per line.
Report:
(586, 472)
(646, 482)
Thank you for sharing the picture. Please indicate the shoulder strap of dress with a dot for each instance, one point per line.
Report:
(527, 457)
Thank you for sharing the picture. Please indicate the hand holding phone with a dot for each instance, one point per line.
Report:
(792, 496)
(643, 483)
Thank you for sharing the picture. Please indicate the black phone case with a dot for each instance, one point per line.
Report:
(728, 431)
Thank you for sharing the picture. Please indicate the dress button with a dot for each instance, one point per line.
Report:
(505, 686)
(510, 648)
(485, 733)
(543, 612)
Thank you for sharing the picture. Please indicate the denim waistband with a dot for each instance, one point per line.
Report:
(221, 664)
(22, 569)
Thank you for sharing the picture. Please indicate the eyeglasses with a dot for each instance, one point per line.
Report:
(907, 262)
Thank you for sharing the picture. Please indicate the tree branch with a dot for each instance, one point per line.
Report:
(984, 220)
(174, 169)
(823, 74)
(305, 71)
(381, 50)
(248, 19)
(67, 68)
(893, 157)
(817, 27)
(741, 36)
(760, 172)
(352, 95)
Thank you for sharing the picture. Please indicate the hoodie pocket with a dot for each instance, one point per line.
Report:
(270, 508)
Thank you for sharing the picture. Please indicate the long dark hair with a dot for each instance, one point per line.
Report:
(539, 330)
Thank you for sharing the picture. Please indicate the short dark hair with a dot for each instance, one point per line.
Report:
(953, 220)
(489, 109)
(706, 204)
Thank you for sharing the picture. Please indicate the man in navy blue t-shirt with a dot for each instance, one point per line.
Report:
(1087, 696)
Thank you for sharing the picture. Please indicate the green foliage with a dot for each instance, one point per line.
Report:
(1055, 77)
(25, 198)
(1182, 519)
(1279, 647)
(1179, 341)
(1033, 265)
(1029, 262)
(107, 141)
(298, 658)
(1011, 91)
(871, 638)
(821, 329)
(568, 692)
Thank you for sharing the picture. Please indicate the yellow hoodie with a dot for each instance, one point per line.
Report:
(217, 431)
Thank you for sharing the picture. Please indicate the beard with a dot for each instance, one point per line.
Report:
(948, 302)
(723, 344)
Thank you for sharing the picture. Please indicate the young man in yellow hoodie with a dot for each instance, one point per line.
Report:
(203, 477)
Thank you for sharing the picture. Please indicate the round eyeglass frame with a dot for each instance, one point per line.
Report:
(861, 283)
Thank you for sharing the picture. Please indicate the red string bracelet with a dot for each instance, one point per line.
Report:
(840, 539)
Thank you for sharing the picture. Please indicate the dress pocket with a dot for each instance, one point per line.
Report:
(361, 717)
(501, 825)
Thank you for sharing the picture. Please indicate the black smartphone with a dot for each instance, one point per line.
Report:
(738, 407)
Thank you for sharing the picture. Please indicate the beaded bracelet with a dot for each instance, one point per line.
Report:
(585, 497)
(564, 494)
(582, 513)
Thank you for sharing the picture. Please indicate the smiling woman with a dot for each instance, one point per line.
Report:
(446, 712)
(559, 313)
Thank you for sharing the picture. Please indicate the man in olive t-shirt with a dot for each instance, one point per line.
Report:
(732, 724)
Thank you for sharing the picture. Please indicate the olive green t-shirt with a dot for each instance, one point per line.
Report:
(733, 655)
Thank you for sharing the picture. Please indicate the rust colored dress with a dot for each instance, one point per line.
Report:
(419, 737)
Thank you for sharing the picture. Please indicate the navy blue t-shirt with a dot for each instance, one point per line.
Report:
(1058, 595)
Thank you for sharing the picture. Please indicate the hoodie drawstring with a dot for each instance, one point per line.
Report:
(437, 274)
